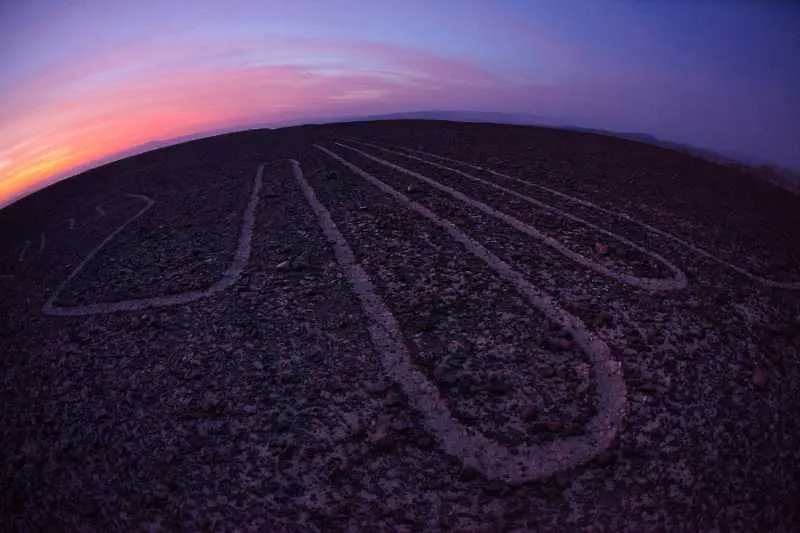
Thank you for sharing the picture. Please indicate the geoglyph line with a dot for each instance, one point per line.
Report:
(677, 281)
(679, 276)
(100, 211)
(530, 462)
(791, 285)
(21, 256)
(240, 259)
(43, 238)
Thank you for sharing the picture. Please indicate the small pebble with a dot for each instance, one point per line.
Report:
(468, 473)
(376, 387)
(559, 344)
(392, 398)
(760, 378)
(498, 386)
(606, 458)
(529, 413)
(425, 442)
(495, 487)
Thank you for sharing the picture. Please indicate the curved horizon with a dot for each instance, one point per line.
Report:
(84, 84)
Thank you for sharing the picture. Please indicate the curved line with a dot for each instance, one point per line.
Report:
(21, 256)
(229, 277)
(677, 281)
(790, 285)
(679, 277)
(495, 460)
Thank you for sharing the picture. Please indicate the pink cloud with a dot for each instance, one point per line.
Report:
(118, 99)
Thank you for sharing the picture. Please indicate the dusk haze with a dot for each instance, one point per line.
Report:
(401, 266)
(84, 82)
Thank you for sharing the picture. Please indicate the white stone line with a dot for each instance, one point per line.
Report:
(792, 285)
(240, 259)
(678, 275)
(100, 211)
(25, 246)
(677, 281)
(42, 241)
(495, 460)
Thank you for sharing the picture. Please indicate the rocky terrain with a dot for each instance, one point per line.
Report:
(402, 326)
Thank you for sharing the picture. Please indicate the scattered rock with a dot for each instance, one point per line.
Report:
(353, 423)
(441, 371)
(603, 319)
(425, 442)
(468, 473)
(452, 379)
(606, 458)
(210, 400)
(399, 425)
(410, 188)
(559, 344)
(564, 480)
(498, 386)
(424, 324)
(298, 264)
(760, 378)
(564, 333)
(529, 412)
(547, 426)
(495, 487)
(600, 248)
(283, 266)
(379, 437)
(376, 387)
(392, 398)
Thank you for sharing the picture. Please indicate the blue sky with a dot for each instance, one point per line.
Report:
(716, 74)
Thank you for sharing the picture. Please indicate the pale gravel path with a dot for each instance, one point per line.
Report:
(531, 462)
(677, 281)
(790, 285)
(231, 275)
(22, 253)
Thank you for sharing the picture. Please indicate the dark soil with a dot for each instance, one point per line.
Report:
(265, 407)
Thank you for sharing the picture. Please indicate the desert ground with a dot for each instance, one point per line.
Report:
(402, 326)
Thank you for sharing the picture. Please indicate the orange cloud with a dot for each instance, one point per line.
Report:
(86, 112)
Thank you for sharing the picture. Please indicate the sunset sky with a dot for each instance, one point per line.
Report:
(85, 79)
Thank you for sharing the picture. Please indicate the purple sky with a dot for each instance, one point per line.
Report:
(85, 79)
